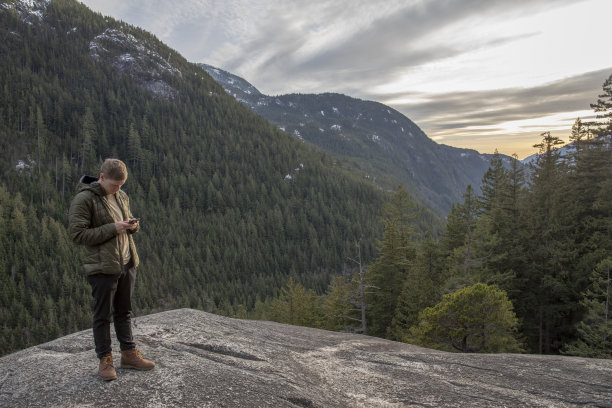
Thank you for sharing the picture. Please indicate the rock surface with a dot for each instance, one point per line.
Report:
(204, 360)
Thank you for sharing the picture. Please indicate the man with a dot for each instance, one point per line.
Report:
(100, 219)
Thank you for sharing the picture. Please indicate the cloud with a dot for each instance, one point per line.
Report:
(321, 45)
(488, 117)
(333, 45)
(493, 106)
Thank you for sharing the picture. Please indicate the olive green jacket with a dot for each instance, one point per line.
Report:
(90, 224)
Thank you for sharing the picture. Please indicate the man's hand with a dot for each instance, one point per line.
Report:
(122, 226)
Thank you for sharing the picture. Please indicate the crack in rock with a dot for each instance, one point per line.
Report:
(226, 351)
(301, 402)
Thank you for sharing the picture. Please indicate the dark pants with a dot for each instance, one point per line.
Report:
(113, 296)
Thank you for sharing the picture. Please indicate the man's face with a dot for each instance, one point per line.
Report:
(109, 185)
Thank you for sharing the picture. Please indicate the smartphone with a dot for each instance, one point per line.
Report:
(133, 220)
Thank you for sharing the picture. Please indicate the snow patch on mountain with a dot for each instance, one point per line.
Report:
(247, 92)
(29, 10)
(35, 3)
(135, 59)
(291, 176)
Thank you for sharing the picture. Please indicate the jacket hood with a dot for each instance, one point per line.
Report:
(90, 183)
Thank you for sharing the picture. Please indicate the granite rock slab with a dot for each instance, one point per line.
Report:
(205, 360)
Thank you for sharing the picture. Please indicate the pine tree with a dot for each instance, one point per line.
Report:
(499, 222)
(596, 329)
(338, 305)
(477, 318)
(296, 305)
(604, 107)
(88, 134)
(494, 186)
(545, 291)
(388, 272)
(134, 149)
(422, 288)
(462, 242)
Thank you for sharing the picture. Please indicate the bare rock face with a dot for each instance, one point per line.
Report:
(137, 60)
(204, 360)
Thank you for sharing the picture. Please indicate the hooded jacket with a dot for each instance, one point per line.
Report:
(91, 224)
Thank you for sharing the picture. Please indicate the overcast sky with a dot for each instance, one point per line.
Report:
(482, 74)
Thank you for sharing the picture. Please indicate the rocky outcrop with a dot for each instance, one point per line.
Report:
(135, 59)
(204, 360)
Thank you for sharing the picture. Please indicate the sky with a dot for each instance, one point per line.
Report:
(480, 74)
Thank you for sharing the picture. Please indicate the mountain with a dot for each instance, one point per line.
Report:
(230, 206)
(205, 360)
(371, 139)
(565, 151)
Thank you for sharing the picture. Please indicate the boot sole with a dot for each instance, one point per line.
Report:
(136, 368)
(109, 378)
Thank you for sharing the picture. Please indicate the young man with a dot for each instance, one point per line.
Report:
(100, 219)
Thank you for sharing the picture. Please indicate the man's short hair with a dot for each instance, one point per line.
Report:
(114, 169)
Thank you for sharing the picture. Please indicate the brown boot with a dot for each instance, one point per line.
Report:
(107, 369)
(133, 359)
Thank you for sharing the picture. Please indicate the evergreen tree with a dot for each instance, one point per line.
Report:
(499, 222)
(88, 135)
(134, 149)
(477, 318)
(462, 241)
(546, 297)
(603, 107)
(494, 186)
(339, 305)
(580, 133)
(422, 288)
(596, 328)
(389, 271)
(296, 305)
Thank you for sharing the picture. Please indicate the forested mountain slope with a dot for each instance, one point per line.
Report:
(373, 140)
(230, 206)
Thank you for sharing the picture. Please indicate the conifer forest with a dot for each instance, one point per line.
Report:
(242, 219)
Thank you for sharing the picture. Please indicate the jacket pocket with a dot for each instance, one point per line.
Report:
(91, 262)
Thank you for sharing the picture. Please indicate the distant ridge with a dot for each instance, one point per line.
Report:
(372, 139)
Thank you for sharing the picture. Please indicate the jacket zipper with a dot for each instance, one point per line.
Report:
(110, 213)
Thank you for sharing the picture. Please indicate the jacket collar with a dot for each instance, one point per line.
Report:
(91, 183)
